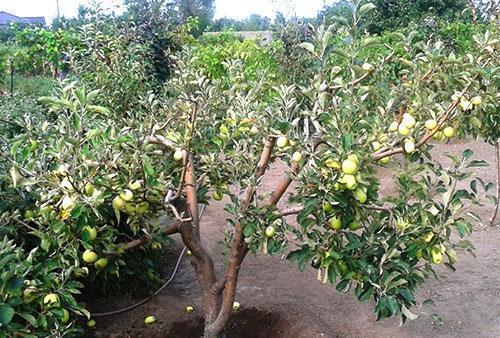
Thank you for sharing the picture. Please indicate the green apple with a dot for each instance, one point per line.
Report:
(367, 67)
(438, 136)
(254, 130)
(349, 181)
(130, 208)
(336, 223)
(65, 316)
(403, 130)
(89, 256)
(297, 157)
(29, 214)
(270, 231)
(101, 263)
(408, 121)
(349, 167)
(91, 232)
(67, 203)
(29, 294)
(149, 320)
(236, 306)
(448, 132)
(127, 195)
(477, 100)
(134, 185)
(91, 323)
(118, 203)
(282, 142)
(393, 127)
(142, 207)
(431, 124)
(409, 146)
(465, 104)
(89, 189)
(327, 207)
(376, 145)
(360, 195)
(385, 160)
(178, 155)
(51, 299)
(353, 226)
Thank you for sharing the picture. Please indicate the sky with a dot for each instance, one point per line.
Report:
(229, 8)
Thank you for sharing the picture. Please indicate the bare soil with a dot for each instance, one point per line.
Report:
(279, 301)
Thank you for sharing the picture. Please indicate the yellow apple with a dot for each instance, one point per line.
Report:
(367, 67)
(431, 124)
(270, 231)
(477, 100)
(67, 203)
(236, 306)
(403, 130)
(448, 132)
(51, 299)
(149, 320)
(376, 145)
(409, 146)
(349, 181)
(89, 256)
(178, 155)
(118, 203)
(349, 167)
(393, 127)
(127, 195)
(89, 189)
(282, 142)
(360, 195)
(135, 185)
(189, 309)
(297, 157)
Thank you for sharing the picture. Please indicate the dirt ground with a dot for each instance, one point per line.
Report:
(279, 301)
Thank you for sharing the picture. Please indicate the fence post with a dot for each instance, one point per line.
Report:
(11, 66)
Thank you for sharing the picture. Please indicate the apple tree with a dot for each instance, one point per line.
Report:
(335, 134)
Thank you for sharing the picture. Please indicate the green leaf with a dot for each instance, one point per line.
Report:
(308, 46)
(366, 8)
(6, 314)
(300, 257)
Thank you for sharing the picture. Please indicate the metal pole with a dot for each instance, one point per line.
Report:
(11, 66)
(58, 12)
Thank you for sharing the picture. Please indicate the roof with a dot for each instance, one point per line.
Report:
(7, 18)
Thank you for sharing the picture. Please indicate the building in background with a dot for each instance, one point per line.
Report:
(7, 18)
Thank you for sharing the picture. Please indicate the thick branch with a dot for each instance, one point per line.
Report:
(160, 140)
(239, 250)
(290, 211)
